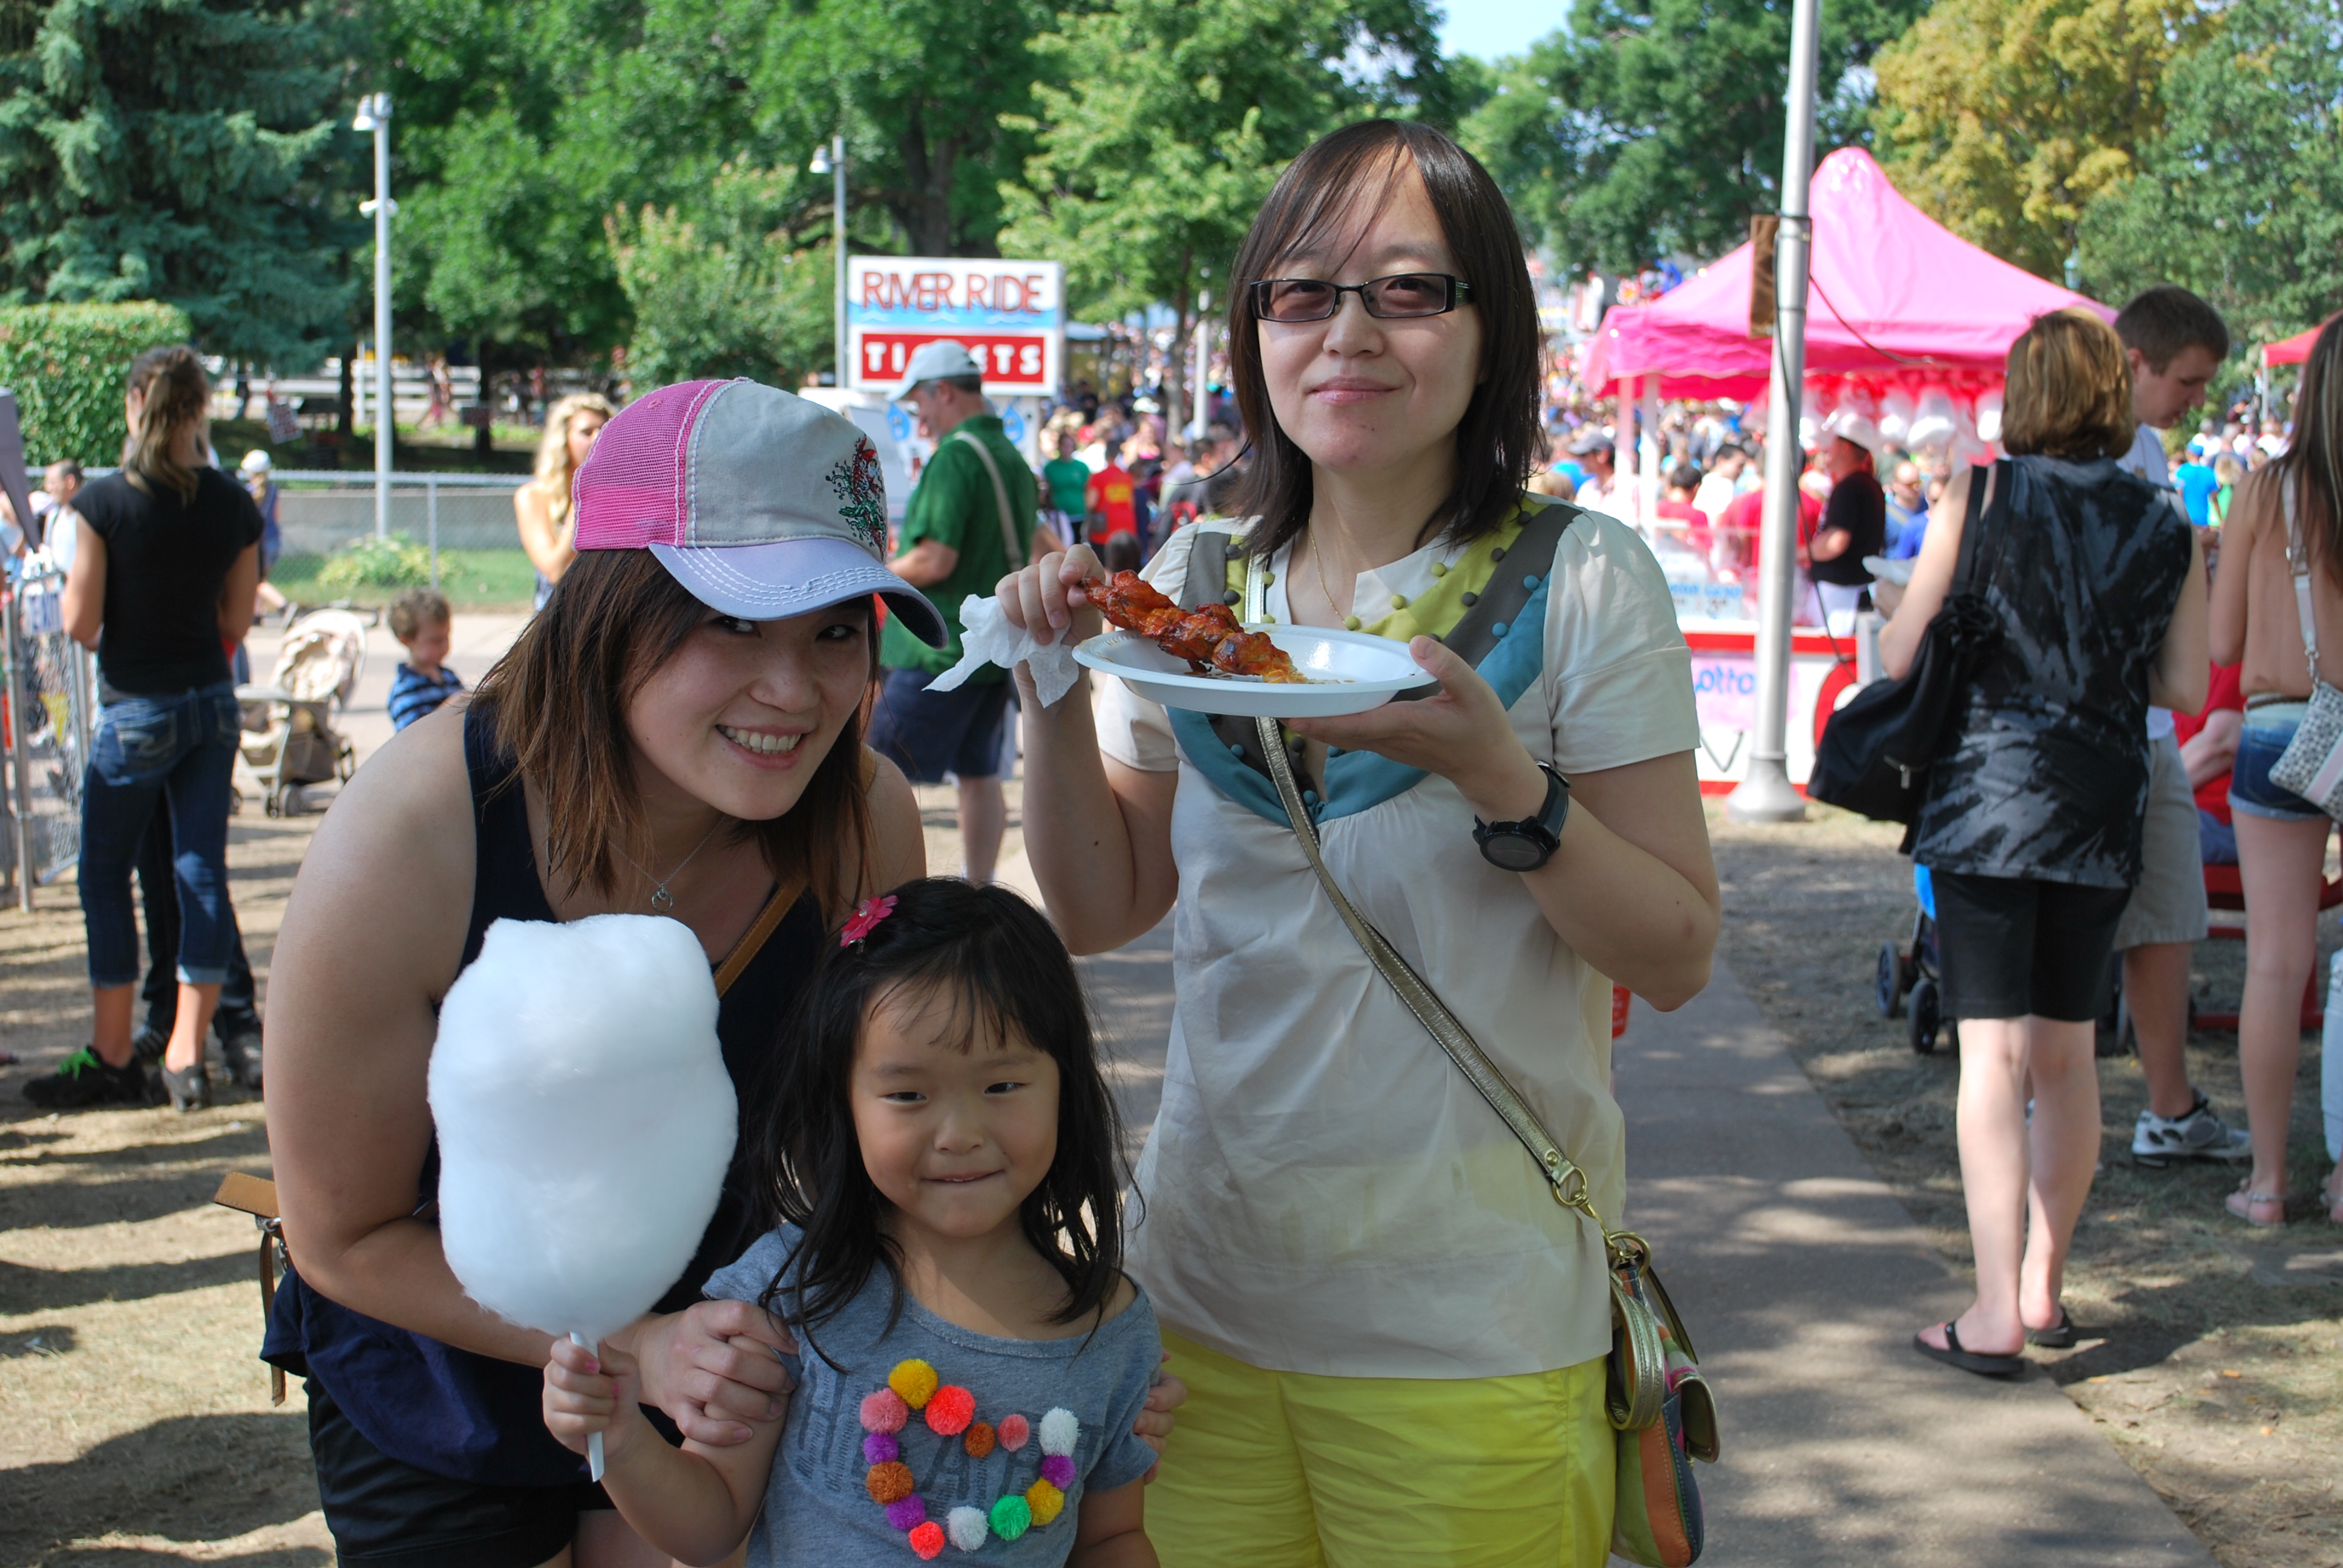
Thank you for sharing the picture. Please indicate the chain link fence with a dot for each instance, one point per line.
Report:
(52, 711)
(319, 511)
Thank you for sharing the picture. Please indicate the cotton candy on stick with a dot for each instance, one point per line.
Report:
(585, 1119)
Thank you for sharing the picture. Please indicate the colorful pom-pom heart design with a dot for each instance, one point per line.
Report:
(949, 1410)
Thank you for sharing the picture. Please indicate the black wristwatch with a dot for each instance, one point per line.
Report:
(1526, 845)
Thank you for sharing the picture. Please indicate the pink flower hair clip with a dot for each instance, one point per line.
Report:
(866, 920)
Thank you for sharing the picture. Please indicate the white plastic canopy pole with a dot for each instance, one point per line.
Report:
(1766, 795)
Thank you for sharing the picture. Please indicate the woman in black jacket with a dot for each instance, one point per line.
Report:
(2031, 828)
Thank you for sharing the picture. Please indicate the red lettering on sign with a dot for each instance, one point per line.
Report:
(1010, 360)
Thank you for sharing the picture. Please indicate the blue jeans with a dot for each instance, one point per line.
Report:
(180, 749)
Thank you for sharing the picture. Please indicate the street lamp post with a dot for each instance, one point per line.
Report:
(1766, 795)
(831, 161)
(374, 115)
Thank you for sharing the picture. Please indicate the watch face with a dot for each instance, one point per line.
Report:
(1513, 851)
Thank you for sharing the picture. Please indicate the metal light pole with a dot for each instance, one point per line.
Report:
(374, 115)
(831, 161)
(1767, 795)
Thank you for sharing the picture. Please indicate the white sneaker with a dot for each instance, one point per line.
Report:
(2156, 1142)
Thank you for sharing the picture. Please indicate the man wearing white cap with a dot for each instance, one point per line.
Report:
(970, 523)
(1854, 521)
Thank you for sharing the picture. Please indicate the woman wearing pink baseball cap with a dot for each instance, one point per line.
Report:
(684, 725)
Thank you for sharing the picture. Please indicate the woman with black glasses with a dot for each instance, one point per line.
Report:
(1392, 1333)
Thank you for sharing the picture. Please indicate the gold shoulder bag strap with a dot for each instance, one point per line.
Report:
(1000, 498)
(1639, 1386)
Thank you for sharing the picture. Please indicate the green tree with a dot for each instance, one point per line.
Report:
(1650, 128)
(728, 295)
(2240, 197)
(1162, 124)
(2003, 118)
(156, 149)
(920, 89)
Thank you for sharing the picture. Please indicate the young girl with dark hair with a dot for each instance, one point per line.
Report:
(939, 1156)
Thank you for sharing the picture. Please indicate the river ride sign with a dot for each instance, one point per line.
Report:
(1010, 315)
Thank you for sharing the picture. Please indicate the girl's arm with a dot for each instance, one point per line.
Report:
(2181, 673)
(239, 594)
(694, 1504)
(1931, 578)
(1110, 1530)
(1099, 833)
(85, 605)
(2240, 536)
(548, 548)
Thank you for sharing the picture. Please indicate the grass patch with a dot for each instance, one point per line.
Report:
(472, 580)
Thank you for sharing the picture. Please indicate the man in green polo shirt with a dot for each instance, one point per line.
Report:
(970, 521)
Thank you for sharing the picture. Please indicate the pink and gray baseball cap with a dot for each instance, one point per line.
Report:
(763, 504)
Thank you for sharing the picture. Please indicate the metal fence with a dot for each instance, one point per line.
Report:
(318, 511)
(52, 710)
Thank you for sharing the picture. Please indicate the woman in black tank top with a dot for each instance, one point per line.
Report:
(679, 733)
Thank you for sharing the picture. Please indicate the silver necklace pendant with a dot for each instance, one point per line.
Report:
(661, 899)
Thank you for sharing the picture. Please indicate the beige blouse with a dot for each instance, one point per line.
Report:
(2253, 607)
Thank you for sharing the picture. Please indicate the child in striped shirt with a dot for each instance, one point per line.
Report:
(419, 618)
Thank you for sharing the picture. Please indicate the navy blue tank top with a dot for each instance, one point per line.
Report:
(472, 1417)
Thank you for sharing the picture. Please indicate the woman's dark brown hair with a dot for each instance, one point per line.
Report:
(2314, 458)
(558, 702)
(178, 394)
(1336, 185)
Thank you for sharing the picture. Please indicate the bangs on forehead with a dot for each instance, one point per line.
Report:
(1334, 218)
(972, 1017)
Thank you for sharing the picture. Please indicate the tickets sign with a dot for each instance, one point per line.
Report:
(1009, 315)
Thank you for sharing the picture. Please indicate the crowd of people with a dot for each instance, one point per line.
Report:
(925, 1314)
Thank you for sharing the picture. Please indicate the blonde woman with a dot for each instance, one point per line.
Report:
(543, 506)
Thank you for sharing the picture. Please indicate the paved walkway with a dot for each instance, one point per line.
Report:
(1802, 1279)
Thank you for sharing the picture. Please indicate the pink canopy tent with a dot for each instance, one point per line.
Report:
(2293, 350)
(1893, 293)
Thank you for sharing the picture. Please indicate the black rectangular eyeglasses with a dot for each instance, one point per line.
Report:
(1400, 297)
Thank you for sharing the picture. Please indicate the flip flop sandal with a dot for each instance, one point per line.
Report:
(1969, 1360)
(2242, 1203)
(2058, 1336)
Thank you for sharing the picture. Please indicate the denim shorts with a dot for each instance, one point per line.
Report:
(2270, 729)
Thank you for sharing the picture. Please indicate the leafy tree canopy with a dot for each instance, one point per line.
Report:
(1650, 128)
(153, 149)
(726, 295)
(2240, 197)
(1175, 118)
(2003, 118)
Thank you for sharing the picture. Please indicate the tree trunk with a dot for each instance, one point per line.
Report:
(1175, 369)
(345, 414)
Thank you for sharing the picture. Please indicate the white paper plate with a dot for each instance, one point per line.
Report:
(1349, 671)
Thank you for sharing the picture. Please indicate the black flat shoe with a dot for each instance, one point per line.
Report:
(2058, 1336)
(1969, 1360)
(189, 1090)
(241, 1050)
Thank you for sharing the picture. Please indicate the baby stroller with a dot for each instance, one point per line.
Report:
(1914, 973)
(289, 739)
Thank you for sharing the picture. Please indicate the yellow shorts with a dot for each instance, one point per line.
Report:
(1289, 1470)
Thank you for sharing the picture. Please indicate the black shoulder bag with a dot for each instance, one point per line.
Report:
(1876, 752)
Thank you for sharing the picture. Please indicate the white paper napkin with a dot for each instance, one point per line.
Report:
(987, 637)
